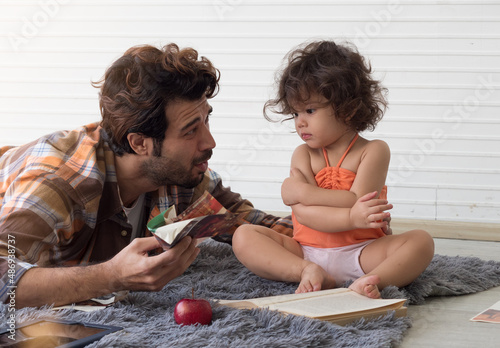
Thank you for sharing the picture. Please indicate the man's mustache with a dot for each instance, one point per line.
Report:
(204, 157)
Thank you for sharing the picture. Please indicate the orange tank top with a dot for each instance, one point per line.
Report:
(335, 178)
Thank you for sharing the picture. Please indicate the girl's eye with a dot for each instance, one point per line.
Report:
(310, 111)
(295, 114)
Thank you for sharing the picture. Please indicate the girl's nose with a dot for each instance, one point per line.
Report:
(300, 120)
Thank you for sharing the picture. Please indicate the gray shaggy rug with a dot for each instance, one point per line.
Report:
(147, 318)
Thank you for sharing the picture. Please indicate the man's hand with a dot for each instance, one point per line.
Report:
(130, 269)
(370, 212)
(133, 269)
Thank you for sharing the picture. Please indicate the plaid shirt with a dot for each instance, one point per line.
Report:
(60, 206)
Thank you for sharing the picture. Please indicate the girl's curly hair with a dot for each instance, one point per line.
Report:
(336, 72)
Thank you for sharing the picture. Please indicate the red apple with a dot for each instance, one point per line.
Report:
(190, 311)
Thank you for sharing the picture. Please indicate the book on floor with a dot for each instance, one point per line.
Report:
(489, 315)
(339, 306)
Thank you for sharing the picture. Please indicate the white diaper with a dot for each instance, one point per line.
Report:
(341, 263)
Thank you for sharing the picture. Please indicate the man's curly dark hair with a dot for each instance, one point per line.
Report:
(136, 89)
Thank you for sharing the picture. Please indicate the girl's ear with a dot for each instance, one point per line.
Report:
(140, 144)
(349, 117)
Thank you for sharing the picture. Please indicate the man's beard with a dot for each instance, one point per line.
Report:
(163, 171)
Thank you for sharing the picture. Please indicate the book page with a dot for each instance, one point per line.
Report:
(169, 232)
(324, 303)
(267, 301)
(323, 306)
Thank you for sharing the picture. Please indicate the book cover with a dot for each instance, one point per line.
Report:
(490, 315)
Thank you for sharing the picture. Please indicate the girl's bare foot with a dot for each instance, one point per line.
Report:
(314, 278)
(367, 286)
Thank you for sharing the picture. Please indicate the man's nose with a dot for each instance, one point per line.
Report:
(207, 142)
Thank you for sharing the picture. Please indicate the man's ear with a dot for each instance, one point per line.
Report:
(140, 144)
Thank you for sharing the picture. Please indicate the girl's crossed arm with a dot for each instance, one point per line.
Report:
(301, 186)
(340, 210)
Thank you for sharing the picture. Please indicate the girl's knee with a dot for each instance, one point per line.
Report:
(425, 237)
(247, 233)
(425, 242)
(240, 235)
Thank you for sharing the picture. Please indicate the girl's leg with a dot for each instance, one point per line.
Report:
(394, 260)
(274, 256)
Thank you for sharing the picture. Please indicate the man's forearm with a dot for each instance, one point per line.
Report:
(131, 269)
(63, 285)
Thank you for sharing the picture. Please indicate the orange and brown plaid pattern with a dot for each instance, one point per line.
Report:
(60, 206)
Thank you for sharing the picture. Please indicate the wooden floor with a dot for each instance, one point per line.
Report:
(445, 321)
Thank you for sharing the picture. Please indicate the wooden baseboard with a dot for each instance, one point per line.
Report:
(450, 229)
(443, 229)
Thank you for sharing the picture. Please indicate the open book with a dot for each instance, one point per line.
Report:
(204, 218)
(339, 306)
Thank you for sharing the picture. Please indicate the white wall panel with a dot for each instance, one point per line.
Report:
(440, 61)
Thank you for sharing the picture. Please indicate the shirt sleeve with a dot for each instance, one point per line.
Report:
(233, 202)
(11, 270)
(32, 210)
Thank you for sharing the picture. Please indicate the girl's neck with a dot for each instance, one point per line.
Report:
(342, 142)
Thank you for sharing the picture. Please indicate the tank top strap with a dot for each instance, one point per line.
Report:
(326, 157)
(348, 148)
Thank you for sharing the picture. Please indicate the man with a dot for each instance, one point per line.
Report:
(72, 203)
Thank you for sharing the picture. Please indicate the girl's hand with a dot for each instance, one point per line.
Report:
(387, 229)
(291, 187)
(370, 212)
